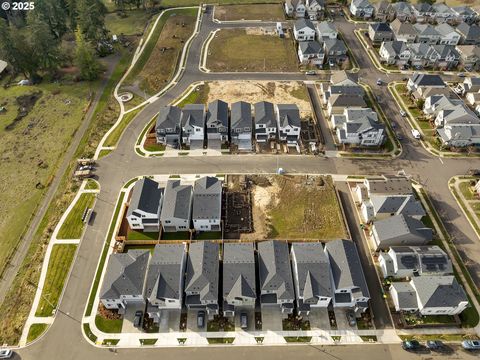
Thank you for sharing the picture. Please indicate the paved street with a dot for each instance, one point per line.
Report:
(64, 339)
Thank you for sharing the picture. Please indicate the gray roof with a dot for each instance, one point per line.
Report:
(362, 3)
(401, 204)
(444, 29)
(146, 196)
(439, 291)
(336, 45)
(347, 271)
(169, 118)
(391, 185)
(241, 115)
(274, 268)
(324, 28)
(177, 200)
(193, 115)
(288, 115)
(165, 272)
(313, 270)
(421, 79)
(202, 270)
(207, 198)
(407, 298)
(470, 32)
(265, 114)
(310, 47)
(400, 225)
(217, 114)
(381, 27)
(125, 274)
(302, 23)
(346, 100)
(238, 271)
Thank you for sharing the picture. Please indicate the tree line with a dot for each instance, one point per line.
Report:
(33, 42)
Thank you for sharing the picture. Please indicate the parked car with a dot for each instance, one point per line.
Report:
(471, 344)
(435, 345)
(201, 319)
(379, 81)
(403, 113)
(474, 172)
(331, 62)
(411, 345)
(461, 75)
(394, 125)
(310, 72)
(416, 134)
(243, 320)
(352, 321)
(6, 353)
(137, 321)
(399, 136)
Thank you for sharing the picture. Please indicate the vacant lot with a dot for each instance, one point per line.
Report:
(58, 269)
(265, 12)
(30, 148)
(174, 3)
(295, 208)
(72, 228)
(249, 50)
(132, 22)
(253, 91)
(159, 60)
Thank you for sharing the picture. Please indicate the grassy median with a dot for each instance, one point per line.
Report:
(73, 226)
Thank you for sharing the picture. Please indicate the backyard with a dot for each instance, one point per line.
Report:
(73, 226)
(265, 12)
(251, 50)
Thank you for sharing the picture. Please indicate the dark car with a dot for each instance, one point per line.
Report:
(352, 321)
(201, 319)
(243, 320)
(474, 172)
(435, 345)
(137, 321)
(399, 136)
(411, 345)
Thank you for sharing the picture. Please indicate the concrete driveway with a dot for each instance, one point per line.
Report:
(342, 322)
(250, 321)
(169, 321)
(129, 316)
(319, 319)
(192, 321)
(272, 318)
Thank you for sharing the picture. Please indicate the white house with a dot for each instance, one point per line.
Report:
(295, 8)
(288, 122)
(359, 127)
(304, 30)
(145, 205)
(379, 207)
(311, 52)
(265, 122)
(193, 125)
(207, 204)
(361, 9)
(315, 9)
(326, 30)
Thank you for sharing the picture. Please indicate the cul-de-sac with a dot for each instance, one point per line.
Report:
(240, 179)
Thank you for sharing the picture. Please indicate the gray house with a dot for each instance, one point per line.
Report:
(349, 284)
(164, 283)
(469, 34)
(207, 204)
(193, 125)
(124, 280)
(241, 126)
(177, 207)
(400, 230)
(361, 9)
(217, 122)
(145, 206)
(239, 290)
(380, 32)
(304, 30)
(288, 121)
(168, 128)
(265, 122)
(202, 279)
(311, 275)
(335, 50)
(276, 283)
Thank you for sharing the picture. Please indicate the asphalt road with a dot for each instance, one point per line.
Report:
(64, 339)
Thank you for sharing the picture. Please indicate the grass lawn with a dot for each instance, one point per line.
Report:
(154, 147)
(132, 23)
(197, 96)
(88, 332)
(31, 149)
(108, 326)
(115, 135)
(148, 341)
(181, 235)
(176, 3)
(306, 212)
(140, 235)
(73, 226)
(301, 93)
(236, 50)
(91, 185)
(298, 339)
(58, 269)
(220, 340)
(35, 331)
(265, 12)
(159, 60)
(466, 190)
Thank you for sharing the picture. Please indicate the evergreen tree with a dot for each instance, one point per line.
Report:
(44, 44)
(91, 19)
(54, 14)
(85, 58)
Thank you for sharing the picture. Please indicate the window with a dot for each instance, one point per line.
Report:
(247, 129)
(167, 221)
(238, 130)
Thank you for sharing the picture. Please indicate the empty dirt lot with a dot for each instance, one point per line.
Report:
(251, 50)
(265, 12)
(293, 208)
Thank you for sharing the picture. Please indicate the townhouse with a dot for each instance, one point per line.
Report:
(469, 33)
(380, 32)
(341, 82)
(379, 207)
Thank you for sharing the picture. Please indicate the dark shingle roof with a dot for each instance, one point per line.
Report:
(217, 113)
(146, 196)
(241, 115)
(264, 114)
(202, 270)
(177, 200)
(288, 115)
(169, 118)
(238, 271)
(207, 198)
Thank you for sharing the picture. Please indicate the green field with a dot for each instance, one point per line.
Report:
(58, 269)
(31, 149)
(132, 23)
(73, 226)
(116, 134)
(237, 50)
(35, 331)
(265, 12)
(108, 325)
(92, 185)
(177, 3)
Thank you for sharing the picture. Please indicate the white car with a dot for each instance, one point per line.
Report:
(403, 113)
(471, 344)
(416, 134)
(6, 353)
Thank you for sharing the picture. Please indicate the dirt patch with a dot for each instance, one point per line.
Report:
(26, 104)
(254, 91)
(265, 12)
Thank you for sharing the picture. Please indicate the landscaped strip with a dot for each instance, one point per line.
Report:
(110, 326)
(73, 226)
(58, 268)
(35, 331)
(117, 132)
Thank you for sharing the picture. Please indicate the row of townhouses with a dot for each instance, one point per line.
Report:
(318, 44)
(177, 207)
(219, 124)
(406, 12)
(313, 9)
(304, 277)
(394, 213)
(455, 123)
(354, 122)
